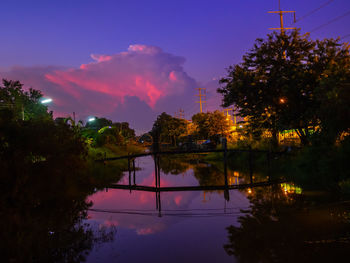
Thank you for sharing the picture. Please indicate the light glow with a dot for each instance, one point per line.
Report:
(45, 101)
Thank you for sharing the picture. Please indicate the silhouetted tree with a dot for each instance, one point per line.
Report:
(211, 125)
(289, 81)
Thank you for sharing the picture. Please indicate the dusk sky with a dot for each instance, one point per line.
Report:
(131, 60)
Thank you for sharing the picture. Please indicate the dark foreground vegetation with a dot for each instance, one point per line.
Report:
(47, 172)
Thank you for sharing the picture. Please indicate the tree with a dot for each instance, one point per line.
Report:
(98, 123)
(168, 129)
(289, 81)
(125, 130)
(211, 125)
(20, 104)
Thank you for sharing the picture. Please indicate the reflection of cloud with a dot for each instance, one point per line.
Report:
(142, 75)
(128, 208)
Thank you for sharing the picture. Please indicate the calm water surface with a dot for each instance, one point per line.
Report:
(191, 226)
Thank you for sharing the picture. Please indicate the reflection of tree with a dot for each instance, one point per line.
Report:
(43, 189)
(42, 222)
(170, 164)
(207, 174)
(283, 229)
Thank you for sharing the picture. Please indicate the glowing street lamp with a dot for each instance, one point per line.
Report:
(90, 119)
(46, 100)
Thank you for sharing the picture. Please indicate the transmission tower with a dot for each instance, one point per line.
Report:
(200, 95)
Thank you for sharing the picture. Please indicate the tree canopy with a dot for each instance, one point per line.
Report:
(17, 103)
(289, 81)
(211, 125)
(168, 129)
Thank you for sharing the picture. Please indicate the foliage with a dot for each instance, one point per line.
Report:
(211, 125)
(168, 129)
(124, 129)
(19, 104)
(289, 81)
(282, 227)
(112, 133)
(98, 123)
(320, 166)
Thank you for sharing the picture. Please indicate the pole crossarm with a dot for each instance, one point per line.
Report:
(278, 12)
(282, 28)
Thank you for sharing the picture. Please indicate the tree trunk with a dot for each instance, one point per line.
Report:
(274, 133)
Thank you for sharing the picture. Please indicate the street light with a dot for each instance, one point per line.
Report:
(90, 119)
(46, 100)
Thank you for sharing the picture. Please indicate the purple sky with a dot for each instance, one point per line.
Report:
(148, 56)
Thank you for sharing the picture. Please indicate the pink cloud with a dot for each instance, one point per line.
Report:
(133, 86)
(145, 72)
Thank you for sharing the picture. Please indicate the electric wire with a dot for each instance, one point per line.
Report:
(330, 21)
(346, 36)
(313, 11)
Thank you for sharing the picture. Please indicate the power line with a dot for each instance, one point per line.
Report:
(331, 21)
(313, 11)
(346, 36)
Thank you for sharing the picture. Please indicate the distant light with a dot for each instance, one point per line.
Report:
(240, 126)
(249, 190)
(45, 101)
(282, 100)
(91, 119)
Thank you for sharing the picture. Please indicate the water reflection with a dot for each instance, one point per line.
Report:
(42, 215)
(195, 218)
(284, 226)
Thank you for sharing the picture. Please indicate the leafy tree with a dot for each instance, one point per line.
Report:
(211, 125)
(20, 104)
(125, 130)
(289, 81)
(168, 129)
(98, 123)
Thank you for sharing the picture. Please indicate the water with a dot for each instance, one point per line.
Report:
(63, 217)
(190, 227)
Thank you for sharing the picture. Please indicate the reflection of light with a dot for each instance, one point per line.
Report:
(291, 189)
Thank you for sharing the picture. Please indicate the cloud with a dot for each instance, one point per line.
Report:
(135, 85)
(145, 72)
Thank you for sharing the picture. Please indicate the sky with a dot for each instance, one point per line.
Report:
(132, 60)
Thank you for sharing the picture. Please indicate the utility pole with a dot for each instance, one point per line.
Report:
(226, 111)
(280, 12)
(200, 95)
(181, 114)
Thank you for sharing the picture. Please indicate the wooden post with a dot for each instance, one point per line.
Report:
(268, 165)
(250, 160)
(159, 206)
(226, 192)
(155, 170)
(158, 173)
(129, 169)
(133, 165)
